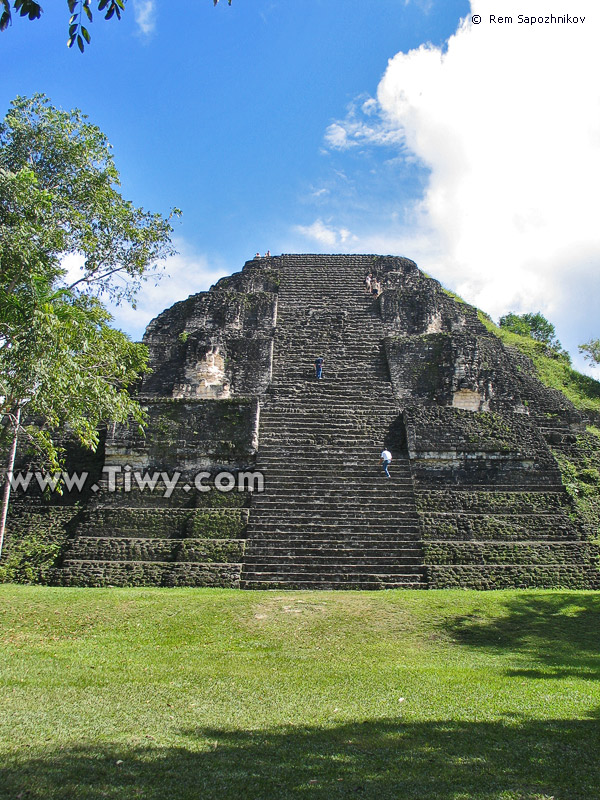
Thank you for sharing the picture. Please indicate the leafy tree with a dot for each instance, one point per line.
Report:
(59, 173)
(534, 325)
(62, 367)
(79, 10)
(591, 351)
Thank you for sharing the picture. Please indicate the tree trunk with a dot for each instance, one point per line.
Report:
(9, 474)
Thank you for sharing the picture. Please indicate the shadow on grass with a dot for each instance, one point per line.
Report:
(512, 759)
(559, 632)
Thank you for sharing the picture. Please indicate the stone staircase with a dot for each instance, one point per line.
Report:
(329, 518)
(141, 539)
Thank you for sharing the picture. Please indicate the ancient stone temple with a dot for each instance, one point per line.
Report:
(475, 498)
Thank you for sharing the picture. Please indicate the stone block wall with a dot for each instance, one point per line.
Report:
(133, 536)
(450, 446)
(480, 428)
(216, 344)
(187, 436)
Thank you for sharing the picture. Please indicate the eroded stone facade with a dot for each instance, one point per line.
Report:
(476, 497)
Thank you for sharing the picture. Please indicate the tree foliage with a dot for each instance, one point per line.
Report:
(63, 368)
(80, 15)
(61, 196)
(591, 351)
(534, 325)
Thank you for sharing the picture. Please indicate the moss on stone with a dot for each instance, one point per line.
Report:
(216, 524)
(35, 542)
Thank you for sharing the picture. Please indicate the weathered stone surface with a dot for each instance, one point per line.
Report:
(216, 344)
(516, 576)
(491, 500)
(187, 436)
(453, 446)
(476, 498)
(206, 523)
(139, 573)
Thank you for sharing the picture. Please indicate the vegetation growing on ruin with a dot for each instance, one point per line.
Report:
(581, 477)
(551, 367)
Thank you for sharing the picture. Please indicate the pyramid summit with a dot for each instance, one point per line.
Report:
(280, 483)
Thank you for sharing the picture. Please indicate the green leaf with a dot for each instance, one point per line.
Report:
(5, 18)
(28, 8)
(80, 44)
(85, 34)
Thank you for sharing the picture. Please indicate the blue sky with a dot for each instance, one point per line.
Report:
(393, 126)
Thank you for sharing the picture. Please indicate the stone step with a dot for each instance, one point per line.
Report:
(340, 515)
(395, 530)
(296, 569)
(353, 497)
(164, 523)
(322, 445)
(317, 456)
(274, 511)
(395, 553)
(366, 580)
(375, 539)
(368, 485)
(393, 562)
(353, 437)
(344, 529)
(143, 573)
(107, 548)
(333, 472)
(328, 585)
(326, 513)
(400, 531)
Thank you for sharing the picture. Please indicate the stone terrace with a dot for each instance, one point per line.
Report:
(476, 498)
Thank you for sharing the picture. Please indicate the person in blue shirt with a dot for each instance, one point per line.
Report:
(319, 368)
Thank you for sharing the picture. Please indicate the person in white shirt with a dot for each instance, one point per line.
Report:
(385, 460)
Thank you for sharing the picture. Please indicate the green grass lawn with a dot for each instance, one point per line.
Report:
(173, 694)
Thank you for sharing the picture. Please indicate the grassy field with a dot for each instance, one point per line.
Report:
(173, 694)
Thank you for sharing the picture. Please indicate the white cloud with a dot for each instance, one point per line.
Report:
(327, 236)
(506, 119)
(358, 129)
(145, 16)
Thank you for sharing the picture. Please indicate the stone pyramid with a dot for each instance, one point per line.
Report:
(475, 499)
